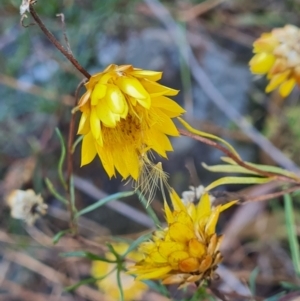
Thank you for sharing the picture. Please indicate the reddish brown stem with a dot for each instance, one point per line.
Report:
(57, 44)
(237, 159)
(271, 195)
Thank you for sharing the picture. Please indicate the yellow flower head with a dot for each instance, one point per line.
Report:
(126, 113)
(132, 290)
(188, 249)
(277, 54)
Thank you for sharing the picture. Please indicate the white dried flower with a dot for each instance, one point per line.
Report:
(26, 205)
(24, 7)
(194, 194)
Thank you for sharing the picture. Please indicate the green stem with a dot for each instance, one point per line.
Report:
(291, 232)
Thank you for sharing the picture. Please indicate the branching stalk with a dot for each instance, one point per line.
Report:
(57, 44)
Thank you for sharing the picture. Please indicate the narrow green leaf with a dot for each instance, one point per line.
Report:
(103, 201)
(77, 141)
(136, 243)
(72, 194)
(276, 297)
(228, 169)
(252, 280)
(114, 252)
(290, 286)
(87, 281)
(267, 168)
(79, 283)
(292, 232)
(149, 209)
(237, 180)
(120, 284)
(51, 188)
(207, 135)
(62, 158)
(158, 287)
(88, 255)
(59, 235)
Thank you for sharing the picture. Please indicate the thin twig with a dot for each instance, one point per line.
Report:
(274, 195)
(62, 17)
(57, 44)
(236, 158)
(198, 9)
(218, 293)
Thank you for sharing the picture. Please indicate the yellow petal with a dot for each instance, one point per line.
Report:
(210, 227)
(147, 247)
(116, 100)
(158, 141)
(164, 123)
(227, 205)
(262, 62)
(279, 66)
(104, 79)
(84, 98)
(175, 279)
(191, 210)
(156, 89)
(151, 75)
(132, 87)
(156, 273)
(205, 264)
(156, 257)
(177, 256)
(99, 268)
(168, 213)
(167, 247)
(106, 160)
(266, 43)
(169, 106)
(192, 279)
(176, 201)
(84, 125)
(212, 244)
(276, 80)
(105, 114)
(287, 87)
(95, 124)
(120, 164)
(109, 68)
(196, 248)
(93, 80)
(180, 232)
(183, 218)
(88, 149)
(204, 206)
(131, 160)
(146, 103)
(123, 68)
(189, 265)
(98, 93)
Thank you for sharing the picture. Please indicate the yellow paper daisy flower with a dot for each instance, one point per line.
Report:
(126, 113)
(132, 290)
(277, 54)
(187, 251)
